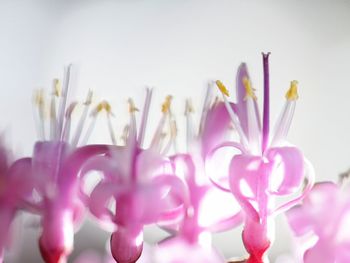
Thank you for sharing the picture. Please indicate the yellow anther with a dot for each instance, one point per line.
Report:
(56, 87)
(222, 88)
(39, 97)
(166, 104)
(189, 107)
(132, 107)
(104, 105)
(248, 88)
(292, 93)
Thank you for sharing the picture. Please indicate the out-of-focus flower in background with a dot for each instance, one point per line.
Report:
(322, 223)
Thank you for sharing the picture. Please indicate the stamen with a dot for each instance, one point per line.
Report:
(234, 119)
(132, 107)
(166, 104)
(206, 107)
(64, 95)
(39, 100)
(285, 120)
(248, 88)
(222, 88)
(53, 117)
(292, 93)
(144, 118)
(68, 121)
(132, 129)
(57, 87)
(172, 138)
(80, 126)
(104, 105)
(125, 133)
(156, 141)
(189, 123)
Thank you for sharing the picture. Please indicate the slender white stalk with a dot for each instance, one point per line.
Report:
(37, 122)
(40, 102)
(172, 137)
(68, 121)
(232, 114)
(110, 128)
(82, 120)
(189, 123)
(285, 119)
(89, 129)
(236, 123)
(125, 133)
(158, 135)
(253, 127)
(63, 101)
(53, 115)
(284, 122)
(132, 127)
(206, 107)
(144, 118)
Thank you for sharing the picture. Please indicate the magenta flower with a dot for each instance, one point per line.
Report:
(141, 183)
(323, 220)
(55, 175)
(14, 188)
(193, 234)
(267, 166)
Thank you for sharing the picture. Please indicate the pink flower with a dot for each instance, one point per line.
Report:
(267, 166)
(192, 240)
(323, 220)
(55, 174)
(140, 181)
(14, 188)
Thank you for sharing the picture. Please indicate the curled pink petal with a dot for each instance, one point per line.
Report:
(292, 162)
(99, 197)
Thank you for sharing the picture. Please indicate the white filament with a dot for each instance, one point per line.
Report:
(284, 122)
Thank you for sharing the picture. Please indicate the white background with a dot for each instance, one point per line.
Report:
(176, 46)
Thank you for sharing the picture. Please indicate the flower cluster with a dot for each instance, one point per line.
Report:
(232, 172)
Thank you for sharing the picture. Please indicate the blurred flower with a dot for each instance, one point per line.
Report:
(140, 182)
(192, 235)
(267, 166)
(14, 188)
(55, 175)
(323, 222)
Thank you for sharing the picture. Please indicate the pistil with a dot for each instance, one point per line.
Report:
(266, 112)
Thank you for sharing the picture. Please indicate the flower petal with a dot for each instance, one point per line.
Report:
(220, 182)
(245, 168)
(99, 198)
(291, 160)
(216, 127)
(241, 106)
